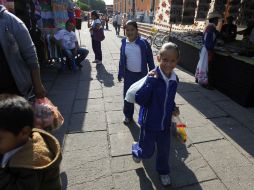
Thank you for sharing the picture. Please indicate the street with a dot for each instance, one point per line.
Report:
(96, 144)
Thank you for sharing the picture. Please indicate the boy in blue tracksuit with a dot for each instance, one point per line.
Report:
(156, 98)
(135, 58)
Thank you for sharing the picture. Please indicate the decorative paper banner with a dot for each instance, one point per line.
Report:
(176, 11)
(202, 10)
(60, 12)
(189, 10)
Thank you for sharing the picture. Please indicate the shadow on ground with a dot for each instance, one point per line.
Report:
(104, 76)
(218, 109)
(181, 175)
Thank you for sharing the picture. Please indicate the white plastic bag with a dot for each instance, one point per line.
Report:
(131, 92)
(202, 67)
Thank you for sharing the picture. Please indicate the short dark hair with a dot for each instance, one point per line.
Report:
(132, 23)
(168, 46)
(94, 13)
(15, 113)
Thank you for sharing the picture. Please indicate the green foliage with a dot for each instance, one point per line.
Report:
(98, 5)
(83, 6)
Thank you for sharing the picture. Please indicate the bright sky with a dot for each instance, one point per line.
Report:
(109, 2)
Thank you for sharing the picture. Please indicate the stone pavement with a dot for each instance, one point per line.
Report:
(97, 146)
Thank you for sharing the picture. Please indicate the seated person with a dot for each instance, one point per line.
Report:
(29, 158)
(68, 43)
(228, 31)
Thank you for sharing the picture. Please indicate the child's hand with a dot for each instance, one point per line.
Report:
(176, 111)
(153, 74)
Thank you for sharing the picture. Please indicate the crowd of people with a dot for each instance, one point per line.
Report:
(19, 138)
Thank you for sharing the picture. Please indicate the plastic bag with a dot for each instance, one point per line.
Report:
(47, 115)
(202, 68)
(131, 92)
(178, 129)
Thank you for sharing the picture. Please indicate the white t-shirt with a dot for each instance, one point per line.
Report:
(133, 56)
(67, 38)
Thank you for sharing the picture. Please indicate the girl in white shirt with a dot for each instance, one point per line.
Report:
(96, 44)
(135, 58)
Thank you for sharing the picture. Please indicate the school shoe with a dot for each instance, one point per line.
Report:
(95, 61)
(135, 159)
(99, 63)
(127, 121)
(165, 180)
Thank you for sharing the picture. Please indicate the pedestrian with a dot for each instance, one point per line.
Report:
(19, 67)
(135, 56)
(157, 100)
(96, 44)
(204, 73)
(118, 19)
(69, 46)
(151, 16)
(125, 19)
(29, 158)
(103, 21)
(106, 20)
(115, 21)
(71, 12)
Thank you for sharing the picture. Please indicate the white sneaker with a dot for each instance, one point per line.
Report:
(165, 180)
(135, 159)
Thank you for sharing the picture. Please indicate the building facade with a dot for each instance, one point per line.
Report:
(135, 6)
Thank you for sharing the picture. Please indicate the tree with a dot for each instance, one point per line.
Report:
(95, 4)
(83, 6)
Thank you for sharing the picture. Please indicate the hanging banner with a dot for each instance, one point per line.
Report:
(169, 12)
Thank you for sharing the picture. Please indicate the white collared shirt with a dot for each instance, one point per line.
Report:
(166, 79)
(7, 156)
(133, 56)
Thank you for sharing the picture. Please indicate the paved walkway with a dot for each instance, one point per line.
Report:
(97, 146)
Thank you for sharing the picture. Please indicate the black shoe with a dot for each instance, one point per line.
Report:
(127, 121)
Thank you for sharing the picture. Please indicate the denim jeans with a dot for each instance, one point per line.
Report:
(81, 55)
(97, 50)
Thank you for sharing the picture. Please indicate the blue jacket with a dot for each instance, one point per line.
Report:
(157, 102)
(146, 57)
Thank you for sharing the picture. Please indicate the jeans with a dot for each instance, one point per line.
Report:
(97, 50)
(118, 29)
(81, 55)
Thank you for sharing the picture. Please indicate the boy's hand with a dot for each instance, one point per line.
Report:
(153, 74)
(176, 111)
